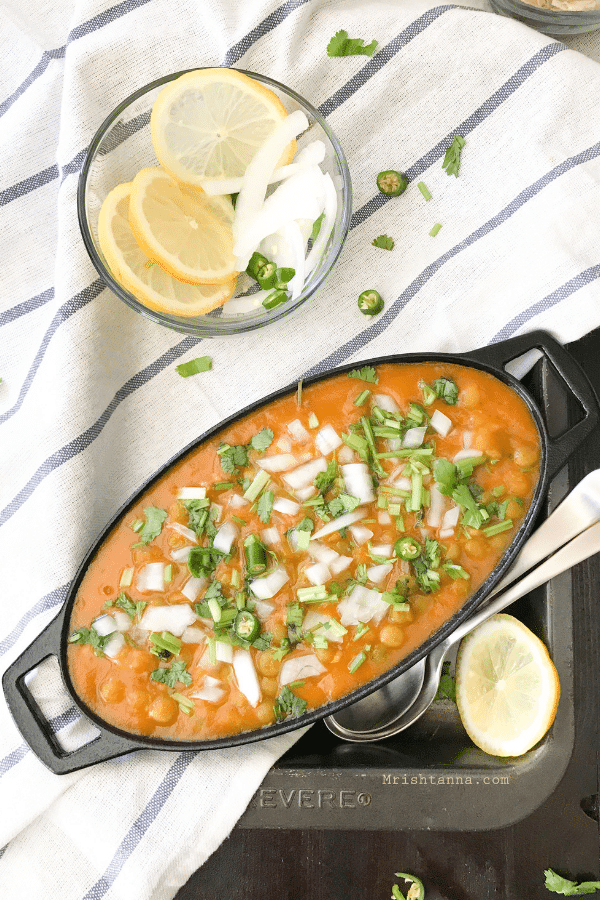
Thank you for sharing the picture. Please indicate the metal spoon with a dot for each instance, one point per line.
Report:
(404, 700)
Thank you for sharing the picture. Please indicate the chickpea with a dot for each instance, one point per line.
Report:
(476, 548)
(267, 664)
(514, 510)
(112, 690)
(269, 687)
(392, 635)
(452, 552)
(517, 482)
(460, 589)
(137, 700)
(400, 616)
(324, 654)
(264, 712)
(279, 632)
(138, 661)
(469, 396)
(525, 456)
(379, 654)
(163, 710)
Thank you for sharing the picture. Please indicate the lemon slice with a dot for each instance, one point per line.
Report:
(151, 285)
(507, 688)
(209, 123)
(179, 230)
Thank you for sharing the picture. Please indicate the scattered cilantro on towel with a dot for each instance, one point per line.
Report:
(341, 45)
(194, 366)
(384, 241)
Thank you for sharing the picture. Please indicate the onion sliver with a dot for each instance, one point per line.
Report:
(247, 679)
(184, 531)
(257, 174)
(303, 476)
(318, 248)
(151, 577)
(414, 437)
(239, 306)
(377, 574)
(192, 588)
(358, 481)
(469, 453)
(174, 618)
(211, 691)
(327, 440)
(299, 667)
(313, 153)
(437, 505)
(225, 536)
(278, 462)
(441, 423)
(114, 645)
(297, 245)
(266, 587)
(223, 652)
(286, 506)
(341, 522)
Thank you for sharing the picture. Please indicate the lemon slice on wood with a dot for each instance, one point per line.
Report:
(209, 123)
(507, 687)
(137, 273)
(179, 230)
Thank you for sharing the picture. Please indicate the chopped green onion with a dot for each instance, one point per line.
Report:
(424, 190)
(126, 578)
(256, 555)
(258, 483)
(370, 303)
(235, 578)
(185, 704)
(361, 630)
(136, 525)
(392, 183)
(315, 594)
(435, 229)
(194, 366)
(215, 609)
(498, 528)
(313, 422)
(299, 394)
(362, 397)
(168, 573)
(455, 571)
(357, 661)
(165, 641)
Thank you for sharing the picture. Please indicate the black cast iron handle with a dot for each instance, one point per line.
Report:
(34, 726)
(498, 356)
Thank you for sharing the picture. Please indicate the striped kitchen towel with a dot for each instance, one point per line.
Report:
(91, 403)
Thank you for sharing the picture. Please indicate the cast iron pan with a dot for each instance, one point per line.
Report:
(112, 741)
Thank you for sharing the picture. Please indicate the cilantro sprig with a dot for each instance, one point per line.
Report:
(451, 161)
(342, 45)
(384, 242)
(367, 373)
(559, 885)
(152, 527)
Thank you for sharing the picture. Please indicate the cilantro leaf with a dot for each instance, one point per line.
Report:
(232, 457)
(152, 526)
(447, 686)
(560, 885)
(325, 479)
(317, 226)
(194, 366)
(172, 674)
(446, 476)
(262, 440)
(384, 241)
(451, 161)
(367, 373)
(197, 514)
(341, 45)
(126, 604)
(447, 390)
(265, 506)
(90, 636)
(288, 705)
(202, 561)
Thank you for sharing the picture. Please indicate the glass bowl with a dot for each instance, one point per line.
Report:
(122, 146)
(555, 23)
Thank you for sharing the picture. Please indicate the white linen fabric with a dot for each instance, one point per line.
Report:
(91, 403)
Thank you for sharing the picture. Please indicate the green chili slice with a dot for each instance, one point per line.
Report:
(246, 625)
(407, 548)
(392, 183)
(370, 303)
(256, 555)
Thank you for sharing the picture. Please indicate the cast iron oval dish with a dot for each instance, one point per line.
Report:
(114, 741)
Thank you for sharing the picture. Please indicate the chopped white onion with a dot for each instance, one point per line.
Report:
(192, 493)
(403, 483)
(362, 605)
(318, 574)
(192, 588)
(270, 536)
(327, 440)
(225, 536)
(437, 505)
(346, 455)
(263, 609)
(340, 564)
(441, 423)
(284, 444)
(114, 645)
(322, 553)
(383, 517)
(377, 574)
(467, 453)
(181, 554)
(393, 444)
(414, 437)
(278, 462)
(297, 668)
(104, 625)
(344, 521)
(211, 690)
(151, 577)
(122, 620)
(382, 550)
(286, 506)
(358, 481)
(193, 635)
(174, 618)
(223, 652)
(236, 501)
(305, 493)
(385, 402)
(247, 679)
(268, 585)
(312, 619)
(184, 531)
(451, 517)
(239, 306)
(304, 475)
(298, 431)
(361, 534)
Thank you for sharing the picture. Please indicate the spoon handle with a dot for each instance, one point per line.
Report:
(581, 547)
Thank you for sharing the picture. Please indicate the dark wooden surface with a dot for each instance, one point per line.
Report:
(507, 863)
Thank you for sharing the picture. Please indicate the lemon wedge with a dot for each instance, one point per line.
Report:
(209, 123)
(180, 230)
(152, 286)
(507, 687)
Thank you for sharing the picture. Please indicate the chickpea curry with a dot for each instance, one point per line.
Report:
(302, 551)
